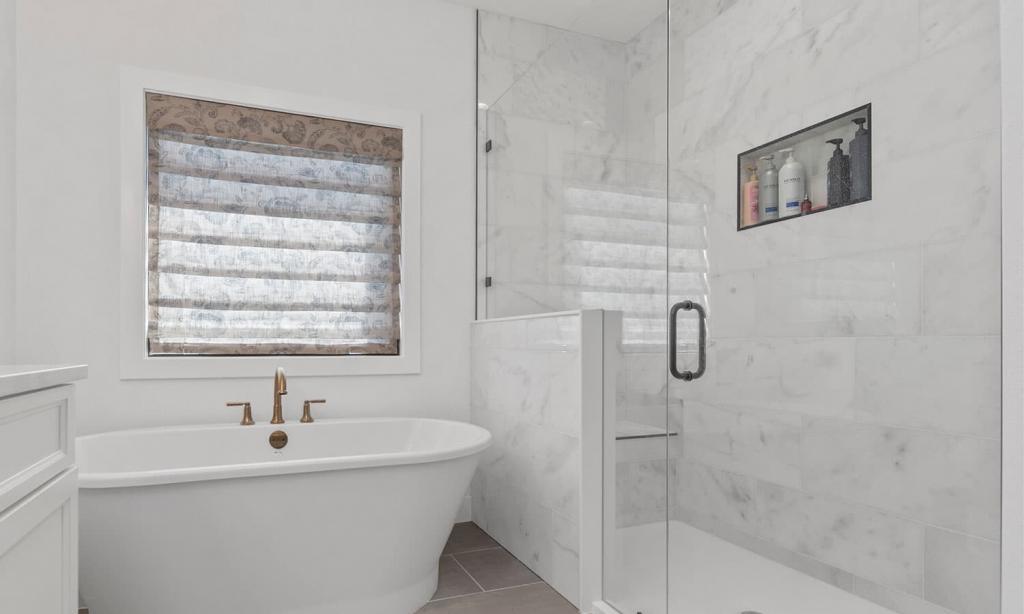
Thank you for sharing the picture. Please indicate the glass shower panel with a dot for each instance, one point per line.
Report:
(575, 218)
(829, 460)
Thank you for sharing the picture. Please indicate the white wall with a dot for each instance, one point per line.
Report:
(1012, 49)
(406, 54)
(7, 209)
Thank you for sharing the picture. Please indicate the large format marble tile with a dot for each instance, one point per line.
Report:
(765, 26)
(945, 480)
(515, 199)
(962, 572)
(526, 390)
(855, 538)
(537, 387)
(758, 443)
(710, 497)
(944, 383)
(948, 97)
(519, 523)
(948, 22)
(734, 296)
(640, 493)
(962, 288)
(814, 12)
(913, 207)
(507, 37)
(875, 293)
(808, 376)
(865, 40)
(507, 47)
(565, 557)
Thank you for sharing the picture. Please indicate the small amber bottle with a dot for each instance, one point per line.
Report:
(806, 206)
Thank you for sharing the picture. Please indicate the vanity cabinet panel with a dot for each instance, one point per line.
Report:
(38, 490)
(36, 441)
(39, 550)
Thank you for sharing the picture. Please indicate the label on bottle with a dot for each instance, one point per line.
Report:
(792, 205)
(770, 210)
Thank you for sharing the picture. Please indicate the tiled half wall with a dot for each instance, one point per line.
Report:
(537, 387)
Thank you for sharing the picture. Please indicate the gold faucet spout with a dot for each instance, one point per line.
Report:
(280, 388)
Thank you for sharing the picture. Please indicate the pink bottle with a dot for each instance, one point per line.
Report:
(751, 190)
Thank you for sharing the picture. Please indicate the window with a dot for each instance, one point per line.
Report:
(270, 233)
(282, 230)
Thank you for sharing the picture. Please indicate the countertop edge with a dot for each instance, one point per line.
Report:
(19, 379)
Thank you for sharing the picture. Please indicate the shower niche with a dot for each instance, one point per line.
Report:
(819, 168)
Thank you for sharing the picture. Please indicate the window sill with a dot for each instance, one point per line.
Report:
(229, 367)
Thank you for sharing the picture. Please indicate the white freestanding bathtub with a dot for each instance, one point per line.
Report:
(349, 517)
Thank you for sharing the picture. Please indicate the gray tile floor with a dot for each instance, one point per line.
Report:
(478, 576)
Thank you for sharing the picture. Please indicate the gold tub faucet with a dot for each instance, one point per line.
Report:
(280, 388)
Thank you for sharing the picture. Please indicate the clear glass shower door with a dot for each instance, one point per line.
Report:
(572, 215)
(840, 452)
(634, 256)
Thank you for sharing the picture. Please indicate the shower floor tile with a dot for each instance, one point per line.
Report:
(477, 576)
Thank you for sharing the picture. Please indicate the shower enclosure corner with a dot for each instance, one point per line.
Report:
(779, 430)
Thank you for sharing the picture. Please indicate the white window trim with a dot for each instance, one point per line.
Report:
(135, 362)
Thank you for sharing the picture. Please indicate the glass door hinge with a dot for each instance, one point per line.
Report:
(488, 146)
(488, 281)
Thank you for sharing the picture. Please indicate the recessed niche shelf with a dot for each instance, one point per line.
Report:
(834, 174)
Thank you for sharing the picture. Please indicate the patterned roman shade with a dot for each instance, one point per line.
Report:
(270, 233)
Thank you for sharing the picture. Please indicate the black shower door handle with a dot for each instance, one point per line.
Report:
(702, 341)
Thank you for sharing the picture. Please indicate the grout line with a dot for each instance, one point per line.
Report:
(494, 590)
(455, 597)
(473, 550)
(506, 588)
(466, 571)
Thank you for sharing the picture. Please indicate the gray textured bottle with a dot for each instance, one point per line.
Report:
(769, 188)
(838, 176)
(860, 162)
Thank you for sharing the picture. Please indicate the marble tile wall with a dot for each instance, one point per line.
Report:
(849, 422)
(526, 390)
(848, 425)
(574, 207)
(554, 116)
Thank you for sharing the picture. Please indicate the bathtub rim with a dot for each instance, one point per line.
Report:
(479, 440)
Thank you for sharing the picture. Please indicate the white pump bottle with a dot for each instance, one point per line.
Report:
(792, 185)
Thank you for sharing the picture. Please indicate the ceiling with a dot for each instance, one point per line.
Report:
(617, 20)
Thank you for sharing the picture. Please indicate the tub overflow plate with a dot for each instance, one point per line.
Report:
(278, 439)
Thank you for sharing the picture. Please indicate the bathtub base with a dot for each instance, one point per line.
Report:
(353, 541)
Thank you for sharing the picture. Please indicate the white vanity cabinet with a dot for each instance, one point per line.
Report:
(38, 490)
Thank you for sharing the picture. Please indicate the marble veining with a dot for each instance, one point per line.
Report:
(828, 433)
(526, 390)
(843, 324)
